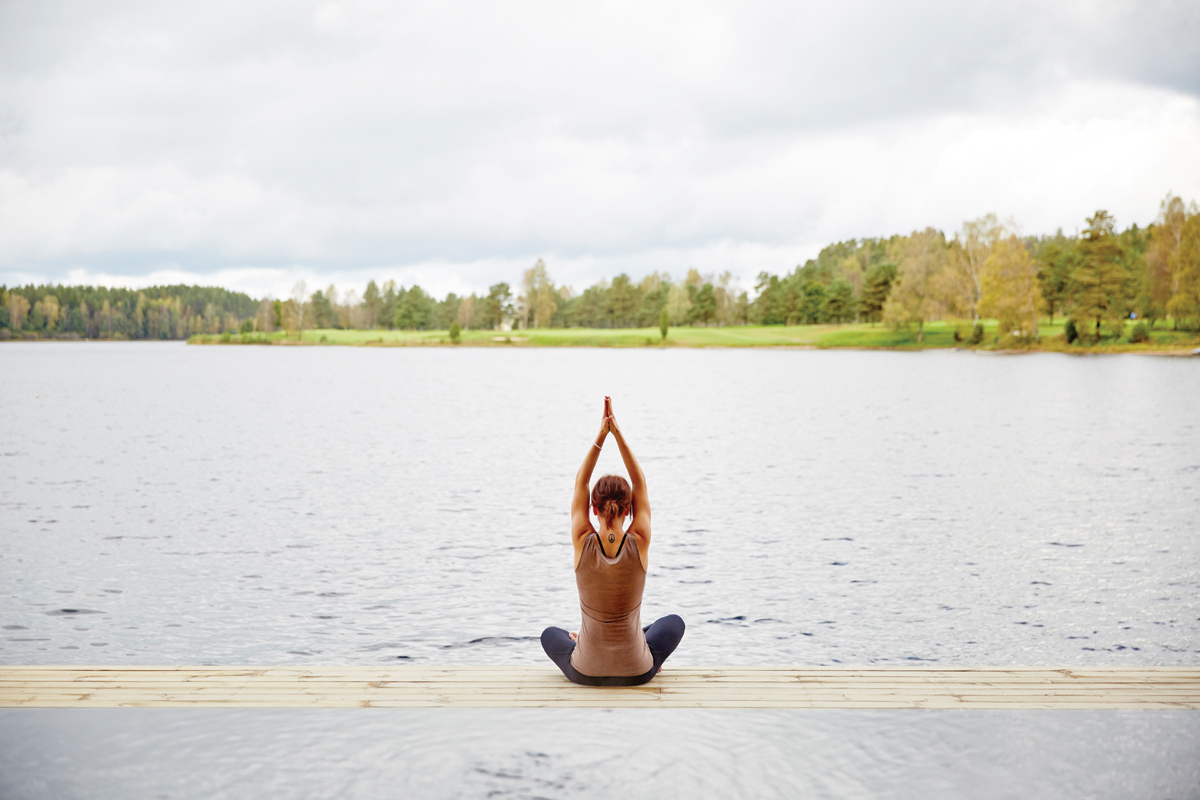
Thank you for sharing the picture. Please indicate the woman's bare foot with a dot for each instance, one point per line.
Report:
(575, 637)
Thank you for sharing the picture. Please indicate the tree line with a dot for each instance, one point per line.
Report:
(534, 303)
(100, 312)
(1097, 279)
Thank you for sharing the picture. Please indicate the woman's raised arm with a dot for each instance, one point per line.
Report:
(581, 524)
(640, 524)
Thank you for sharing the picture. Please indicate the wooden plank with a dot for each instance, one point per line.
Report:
(459, 698)
(728, 689)
(675, 686)
(544, 687)
(1140, 677)
(677, 682)
(373, 668)
(490, 675)
(616, 698)
(395, 684)
(529, 691)
(497, 670)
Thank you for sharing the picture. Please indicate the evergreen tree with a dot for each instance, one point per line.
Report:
(497, 306)
(875, 291)
(704, 305)
(839, 302)
(373, 304)
(1100, 285)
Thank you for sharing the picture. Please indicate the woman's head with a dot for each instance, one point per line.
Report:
(612, 498)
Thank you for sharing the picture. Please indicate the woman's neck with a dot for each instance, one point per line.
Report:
(617, 529)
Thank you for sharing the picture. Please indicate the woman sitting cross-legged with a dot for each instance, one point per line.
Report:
(612, 648)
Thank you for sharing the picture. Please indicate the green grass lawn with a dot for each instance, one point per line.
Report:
(862, 335)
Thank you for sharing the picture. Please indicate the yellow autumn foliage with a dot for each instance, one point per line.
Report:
(1010, 291)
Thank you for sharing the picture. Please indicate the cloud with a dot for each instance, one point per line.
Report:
(456, 143)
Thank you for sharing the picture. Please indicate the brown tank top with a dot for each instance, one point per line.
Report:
(611, 642)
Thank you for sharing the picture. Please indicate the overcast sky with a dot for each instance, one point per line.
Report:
(250, 144)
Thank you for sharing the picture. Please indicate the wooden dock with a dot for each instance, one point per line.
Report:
(545, 687)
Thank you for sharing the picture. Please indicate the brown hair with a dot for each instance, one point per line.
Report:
(612, 498)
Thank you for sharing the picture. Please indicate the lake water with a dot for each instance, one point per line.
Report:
(224, 505)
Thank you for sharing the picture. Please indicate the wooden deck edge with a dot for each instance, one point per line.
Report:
(175, 686)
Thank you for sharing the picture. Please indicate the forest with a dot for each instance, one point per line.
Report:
(1100, 280)
(98, 312)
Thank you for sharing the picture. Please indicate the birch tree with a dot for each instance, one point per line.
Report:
(466, 313)
(679, 303)
(1010, 291)
(1185, 269)
(537, 305)
(350, 311)
(264, 320)
(49, 308)
(1162, 256)
(915, 294)
(963, 278)
(726, 293)
(18, 309)
(296, 309)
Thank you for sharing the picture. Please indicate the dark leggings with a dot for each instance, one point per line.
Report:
(662, 637)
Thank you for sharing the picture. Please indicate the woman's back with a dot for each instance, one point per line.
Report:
(611, 641)
(611, 648)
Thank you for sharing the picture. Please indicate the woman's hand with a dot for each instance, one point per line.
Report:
(609, 418)
(606, 418)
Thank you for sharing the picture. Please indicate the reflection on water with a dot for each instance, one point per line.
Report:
(165, 504)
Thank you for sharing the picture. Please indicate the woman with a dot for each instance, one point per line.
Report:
(612, 648)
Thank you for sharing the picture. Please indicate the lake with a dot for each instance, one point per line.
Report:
(165, 504)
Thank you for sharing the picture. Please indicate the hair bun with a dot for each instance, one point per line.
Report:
(612, 498)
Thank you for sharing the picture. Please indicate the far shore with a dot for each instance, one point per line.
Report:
(860, 336)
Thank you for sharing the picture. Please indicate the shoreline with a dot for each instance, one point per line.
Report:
(940, 335)
(1100, 350)
(208, 341)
